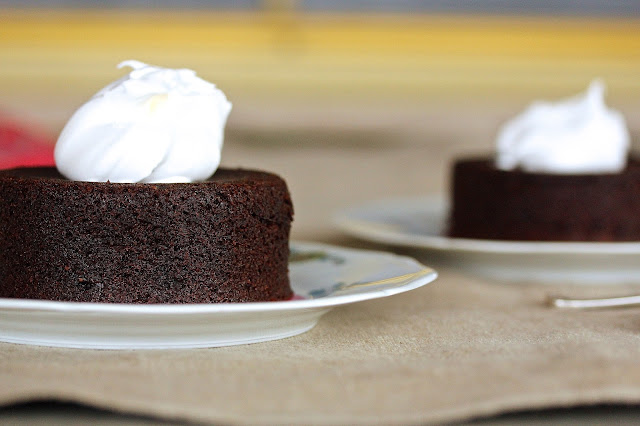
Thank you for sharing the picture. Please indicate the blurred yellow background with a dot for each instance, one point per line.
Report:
(284, 55)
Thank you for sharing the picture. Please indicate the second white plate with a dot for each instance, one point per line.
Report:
(418, 223)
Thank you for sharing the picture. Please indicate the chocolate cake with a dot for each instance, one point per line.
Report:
(489, 203)
(222, 240)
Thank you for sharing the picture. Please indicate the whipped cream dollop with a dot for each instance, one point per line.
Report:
(579, 135)
(153, 125)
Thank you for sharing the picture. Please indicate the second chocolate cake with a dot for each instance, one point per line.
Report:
(489, 203)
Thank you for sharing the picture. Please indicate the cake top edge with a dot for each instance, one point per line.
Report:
(487, 162)
(221, 176)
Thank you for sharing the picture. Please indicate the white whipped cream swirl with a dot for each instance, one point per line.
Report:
(579, 135)
(153, 125)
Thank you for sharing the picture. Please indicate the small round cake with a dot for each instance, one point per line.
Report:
(489, 203)
(220, 240)
(561, 172)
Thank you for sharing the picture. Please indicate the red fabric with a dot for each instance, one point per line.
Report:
(21, 146)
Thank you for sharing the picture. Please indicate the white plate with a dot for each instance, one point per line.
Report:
(418, 223)
(322, 277)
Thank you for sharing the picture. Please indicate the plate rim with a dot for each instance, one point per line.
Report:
(423, 276)
(437, 205)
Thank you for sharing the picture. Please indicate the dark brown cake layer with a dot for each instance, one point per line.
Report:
(489, 203)
(223, 240)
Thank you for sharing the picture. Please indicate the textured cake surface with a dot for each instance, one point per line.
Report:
(489, 203)
(223, 240)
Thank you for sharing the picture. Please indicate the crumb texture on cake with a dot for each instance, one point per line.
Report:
(223, 240)
(488, 203)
